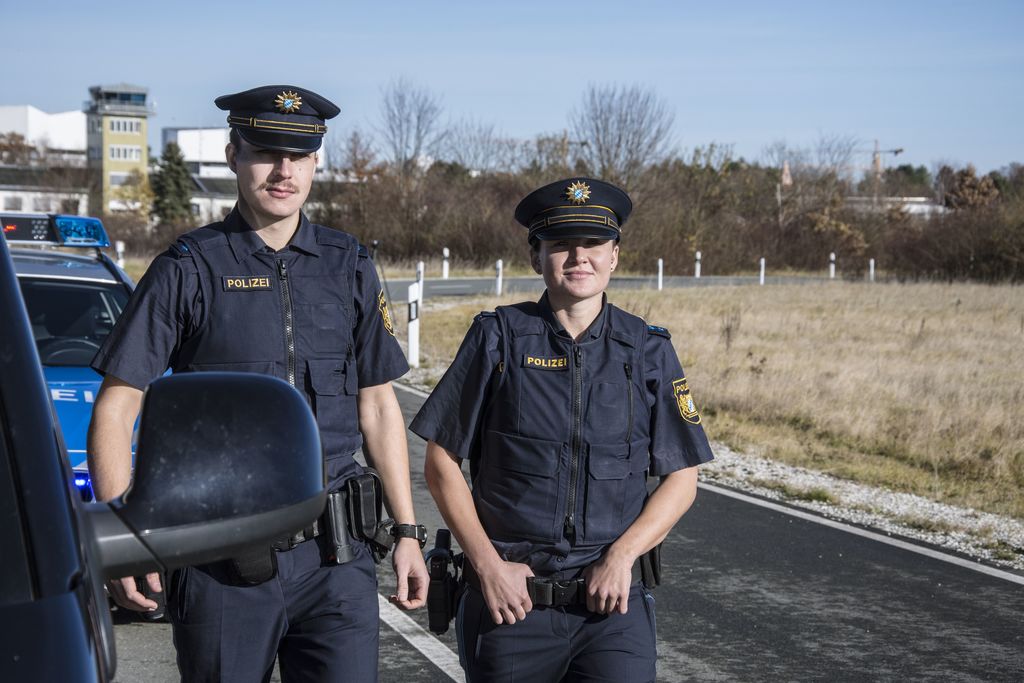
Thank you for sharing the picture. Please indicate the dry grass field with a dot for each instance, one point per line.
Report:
(914, 387)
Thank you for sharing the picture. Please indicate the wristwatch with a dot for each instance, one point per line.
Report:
(417, 531)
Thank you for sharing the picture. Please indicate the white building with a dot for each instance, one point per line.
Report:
(203, 149)
(63, 133)
(29, 189)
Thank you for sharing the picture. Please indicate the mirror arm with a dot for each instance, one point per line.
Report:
(121, 552)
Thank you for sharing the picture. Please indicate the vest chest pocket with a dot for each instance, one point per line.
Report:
(322, 328)
(520, 488)
(616, 489)
(334, 387)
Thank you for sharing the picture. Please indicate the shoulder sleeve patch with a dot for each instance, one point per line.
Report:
(660, 331)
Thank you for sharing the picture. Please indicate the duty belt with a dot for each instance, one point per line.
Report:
(550, 591)
(301, 536)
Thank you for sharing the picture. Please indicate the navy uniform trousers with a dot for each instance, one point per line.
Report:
(226, 632)
(559, 643)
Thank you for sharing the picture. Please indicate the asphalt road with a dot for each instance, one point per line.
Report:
(751, 593)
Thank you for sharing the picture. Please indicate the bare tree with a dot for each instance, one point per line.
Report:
(478, 148)
(626, 130)
(410, 125)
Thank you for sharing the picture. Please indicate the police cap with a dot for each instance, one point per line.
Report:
(574, 207)
(282, 117)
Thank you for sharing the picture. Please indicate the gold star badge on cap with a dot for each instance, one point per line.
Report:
(578, 192)
(288, 102)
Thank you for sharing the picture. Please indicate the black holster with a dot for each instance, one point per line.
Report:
(650, 567)
(365, 508)
(442, 591)
(252, 566)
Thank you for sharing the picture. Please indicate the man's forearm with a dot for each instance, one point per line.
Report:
(383, 428)
(110, 438)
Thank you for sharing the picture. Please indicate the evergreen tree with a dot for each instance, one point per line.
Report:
(172, 187)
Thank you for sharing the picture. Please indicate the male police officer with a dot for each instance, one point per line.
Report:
(267, 291)
(562, 406)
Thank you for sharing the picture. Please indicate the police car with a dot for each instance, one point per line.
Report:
(73, 300)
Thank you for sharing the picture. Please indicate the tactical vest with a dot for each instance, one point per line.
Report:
(290, 317)
(566, 438)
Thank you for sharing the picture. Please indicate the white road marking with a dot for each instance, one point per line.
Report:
(431, 648)
(873, 535)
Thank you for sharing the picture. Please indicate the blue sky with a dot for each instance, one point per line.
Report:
(944, 80)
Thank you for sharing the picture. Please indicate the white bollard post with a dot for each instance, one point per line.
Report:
(696, 266)
(871, 270)
(119, 249)
(832, 265)
(661, 273)
(414, 325)
(444, 263)
(498, 268)
(762, 270)
(419, 280)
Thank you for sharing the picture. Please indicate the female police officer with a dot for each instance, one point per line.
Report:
(563, 407)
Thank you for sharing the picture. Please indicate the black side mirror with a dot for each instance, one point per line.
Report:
(224, 461)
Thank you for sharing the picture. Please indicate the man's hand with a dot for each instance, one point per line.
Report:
(126, 593)
(411, 574)
(608, 582)
(504, 588)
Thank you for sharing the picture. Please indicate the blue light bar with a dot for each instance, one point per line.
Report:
(80, 231)
(40, 229)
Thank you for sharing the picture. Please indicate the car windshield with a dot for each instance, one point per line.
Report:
(71, 319)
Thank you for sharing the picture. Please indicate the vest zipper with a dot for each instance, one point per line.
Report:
(289, 326)
(569, 527)
(629, 391)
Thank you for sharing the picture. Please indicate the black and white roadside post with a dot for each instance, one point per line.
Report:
(761, 280)
(871, 270)
(832, 265)
(499, 266)
(696, 266)
(661, 273)
(444, 263)
(119, 250)
(414, 324)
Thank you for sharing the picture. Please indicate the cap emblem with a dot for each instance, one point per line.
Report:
(288, 102)
(578, 192)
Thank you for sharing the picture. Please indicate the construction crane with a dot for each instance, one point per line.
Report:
(876, 163)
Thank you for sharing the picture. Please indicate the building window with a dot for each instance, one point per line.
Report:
(69, 206)
(41, 204)
(124, 125)
(125, 153)
(12, 203)
(117, 179)
(94, 153)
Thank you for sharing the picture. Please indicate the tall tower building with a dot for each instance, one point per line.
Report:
(116, 134)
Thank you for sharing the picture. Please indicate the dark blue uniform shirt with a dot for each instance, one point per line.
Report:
(325, 330)
(534, 421)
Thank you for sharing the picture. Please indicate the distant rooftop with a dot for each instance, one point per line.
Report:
(118, 87)
(121, 98)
